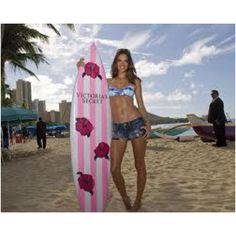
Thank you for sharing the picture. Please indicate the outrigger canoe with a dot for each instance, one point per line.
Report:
(205, 129)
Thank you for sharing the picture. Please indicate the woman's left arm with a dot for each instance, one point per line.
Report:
(141, 107)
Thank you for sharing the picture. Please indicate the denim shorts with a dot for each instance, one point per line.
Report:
(128, 130)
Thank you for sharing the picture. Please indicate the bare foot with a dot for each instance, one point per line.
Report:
(127, 203)
(137, 205)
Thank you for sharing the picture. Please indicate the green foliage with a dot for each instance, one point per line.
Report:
(18, 46)
(9, 100)
(24, 105)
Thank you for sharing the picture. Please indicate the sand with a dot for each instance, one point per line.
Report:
(181, 177)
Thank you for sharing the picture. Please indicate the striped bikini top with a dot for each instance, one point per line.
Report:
(127, 90)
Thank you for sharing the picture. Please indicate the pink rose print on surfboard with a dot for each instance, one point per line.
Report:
(102, 150)
(90, 134)
(92, 69)
(84, 126)
(86, 182)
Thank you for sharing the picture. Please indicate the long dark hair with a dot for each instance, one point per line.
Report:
(131, 72)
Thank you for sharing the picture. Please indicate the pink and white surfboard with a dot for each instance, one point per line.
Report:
(90, 134)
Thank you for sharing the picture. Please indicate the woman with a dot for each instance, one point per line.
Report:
(129, 123)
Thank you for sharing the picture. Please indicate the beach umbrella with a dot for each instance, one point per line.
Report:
(57, 127)
(15, 114)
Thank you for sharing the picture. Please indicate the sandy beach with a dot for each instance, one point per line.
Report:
(181, 177)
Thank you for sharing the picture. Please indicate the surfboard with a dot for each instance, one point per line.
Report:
(90, 134)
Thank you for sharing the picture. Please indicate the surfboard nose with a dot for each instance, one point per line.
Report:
(92, 47)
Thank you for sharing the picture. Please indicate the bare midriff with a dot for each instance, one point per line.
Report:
(123, 109)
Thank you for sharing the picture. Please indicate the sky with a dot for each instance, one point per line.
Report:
(179, 64)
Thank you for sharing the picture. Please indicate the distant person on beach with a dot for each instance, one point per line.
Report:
(217, 117)
(41, 133)
(5, 136)
(11, 134)
(25, 134)
(129, 123)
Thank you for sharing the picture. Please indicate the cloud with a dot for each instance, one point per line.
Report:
(58, 47)
(47, 89)
(174, 96)
(109, 42)
(157, 41)
(230, 38)
(177, 95)
(194, 92)
(153, 98)
(195, 53)
(175, 100)
(195, 32)
(146, 69)
(95, 30)
(68, 80)
(65, 50)
(88, 30)
(161, 40)
(133, 41)
(189, 74)
(192, 85)
(149, 85)
(192, 55)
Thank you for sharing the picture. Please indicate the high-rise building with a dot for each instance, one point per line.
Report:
(64, 109)
(35, 105)
(46, 116)
(54, 116)
(23, 94)
(39, 107)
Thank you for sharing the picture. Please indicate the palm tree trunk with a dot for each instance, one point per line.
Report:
(2, 67)
(2, 80)
(2, 32)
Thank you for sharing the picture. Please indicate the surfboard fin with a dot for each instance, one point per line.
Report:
(100, 77)
(107, 157)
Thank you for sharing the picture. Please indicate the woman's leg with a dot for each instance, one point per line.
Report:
(139, 148)
(117, 152)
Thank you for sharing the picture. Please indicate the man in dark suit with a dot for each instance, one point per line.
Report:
(217, 117)
(41, 133)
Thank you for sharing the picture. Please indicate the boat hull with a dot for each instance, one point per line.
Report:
(207, 131)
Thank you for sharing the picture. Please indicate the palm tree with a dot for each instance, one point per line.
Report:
(51, 26)
(10, 98)
(18, 48)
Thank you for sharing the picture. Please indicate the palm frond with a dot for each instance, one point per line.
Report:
(71, 27)
(18, 65)
(51, 26)
(36, 58)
